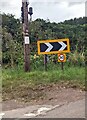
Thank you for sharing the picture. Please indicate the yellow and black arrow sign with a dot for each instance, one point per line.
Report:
(53, 46)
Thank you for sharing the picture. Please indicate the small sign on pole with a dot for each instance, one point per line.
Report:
(27, 41)
(61, 57)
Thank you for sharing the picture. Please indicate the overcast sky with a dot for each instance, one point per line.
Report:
(54, 10)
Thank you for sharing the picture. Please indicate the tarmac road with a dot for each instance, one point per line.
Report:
(74, 109)
(71, 110)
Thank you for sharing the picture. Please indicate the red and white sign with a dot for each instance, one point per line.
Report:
(61, 57)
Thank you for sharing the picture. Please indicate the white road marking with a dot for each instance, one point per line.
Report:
(40, 111)
(30, 115)
(1, 115)
(49, 47)
(63, 46)
(43, 109)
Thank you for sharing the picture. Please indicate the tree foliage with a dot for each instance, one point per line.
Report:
(12, 42)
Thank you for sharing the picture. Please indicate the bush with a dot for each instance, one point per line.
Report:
(76, 59)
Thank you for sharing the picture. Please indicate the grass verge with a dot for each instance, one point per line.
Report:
(16, 83)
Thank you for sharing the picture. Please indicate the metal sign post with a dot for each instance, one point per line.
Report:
(62, 59)
(62, 66)
(45, 62)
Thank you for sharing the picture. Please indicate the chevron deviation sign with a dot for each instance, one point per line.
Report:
(53, 46)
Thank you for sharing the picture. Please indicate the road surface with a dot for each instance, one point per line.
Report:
(74, 109)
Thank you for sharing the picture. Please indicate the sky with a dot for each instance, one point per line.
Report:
(54, 10)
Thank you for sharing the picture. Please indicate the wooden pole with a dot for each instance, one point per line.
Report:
(26, 37)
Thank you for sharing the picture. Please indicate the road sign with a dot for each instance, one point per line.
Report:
(53, 46)
(61, 57)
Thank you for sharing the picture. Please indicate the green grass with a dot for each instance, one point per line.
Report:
(20, 85)
(16, 77)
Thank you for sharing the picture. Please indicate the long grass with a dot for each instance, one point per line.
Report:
(15, 77)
